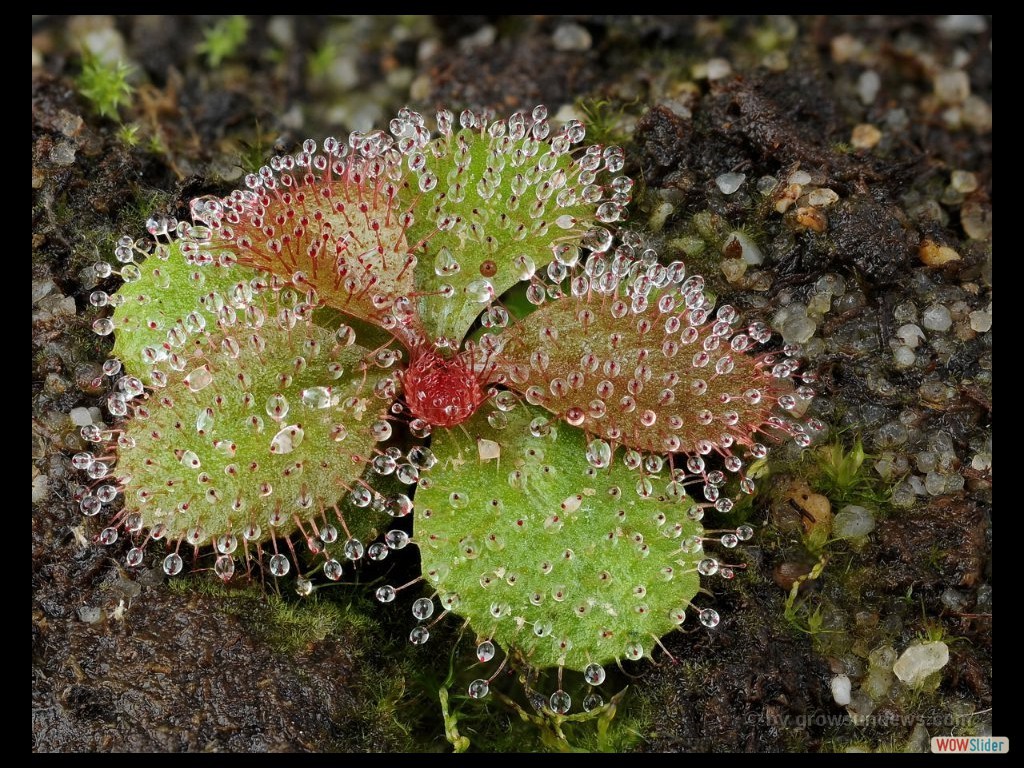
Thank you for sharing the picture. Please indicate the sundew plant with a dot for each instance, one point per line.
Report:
(461, 310)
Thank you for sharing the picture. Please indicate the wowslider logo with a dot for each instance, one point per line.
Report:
(970, 744)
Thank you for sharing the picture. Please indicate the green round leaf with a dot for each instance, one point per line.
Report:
(566, 563)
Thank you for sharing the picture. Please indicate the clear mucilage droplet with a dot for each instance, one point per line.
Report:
(560, 702)
(485, 651)
(419, 635)
(709, 618)
(354, 549)
(173, 564)
(333, 570)
(279, 565)
(224, 567)
(423, 608)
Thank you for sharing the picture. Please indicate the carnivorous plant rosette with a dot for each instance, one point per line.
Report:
(471, 286)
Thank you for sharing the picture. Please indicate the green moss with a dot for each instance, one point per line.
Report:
(222, 40)
(506, 722)
(128, 133)
(253, 154)
(841, 474)
(293, 626)
(321, 59)
(605, 120)
(104, 85)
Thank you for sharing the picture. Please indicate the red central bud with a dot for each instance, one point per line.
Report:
(443, 392)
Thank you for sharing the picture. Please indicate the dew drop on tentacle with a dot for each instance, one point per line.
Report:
(419, 635)
(633, 651)
(709, 618)
(224, 567)
(485, 651)
(594, 674)
(333, 570)
(90, 505)
(354, 549)
(108, 536)
(173, 564)
(560, 702)
(279, 565)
